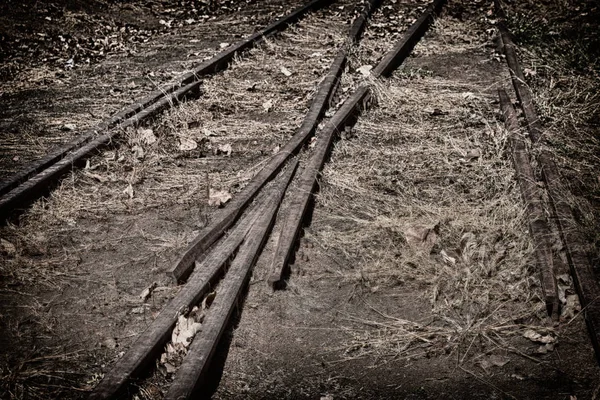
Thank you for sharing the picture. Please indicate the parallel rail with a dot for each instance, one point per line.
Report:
(36, 178)
(577, 251)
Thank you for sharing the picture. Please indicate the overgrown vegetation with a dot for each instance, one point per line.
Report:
(560, 50)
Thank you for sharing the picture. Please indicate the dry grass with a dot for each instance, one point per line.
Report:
(432, 154)
(559, 54)
(114, 226)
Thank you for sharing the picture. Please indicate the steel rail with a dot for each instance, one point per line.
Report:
(539, 230)
(196, 363)
(136, 111)
(577, 251)
(319, 105)
(40, 182)
(149, 344)
(345, 116)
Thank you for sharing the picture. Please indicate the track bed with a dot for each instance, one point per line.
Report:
(412, 274)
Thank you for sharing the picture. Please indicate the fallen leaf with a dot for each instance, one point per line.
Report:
(268, 105)
(138, 152)
(498, 360)
(169, 350)
(365, 70)
(148, 291)
(218, 197)
(186, 144)
(223, 45)
(225, 149)
(146, 135)
(421, 237)
(538, 338)
(129, 191)
(571, 308)
(563, 283)
(545, 349)
(185, 330)
(170, 368)
(529, 72)
(208, 133)
(109, 343)
(285, 71)
(7, 248)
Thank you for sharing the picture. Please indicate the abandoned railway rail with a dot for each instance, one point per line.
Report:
(214, 269)
(577, 252)
(35, 178)
(195, 365)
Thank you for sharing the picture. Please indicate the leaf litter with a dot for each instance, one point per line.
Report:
(186, 328)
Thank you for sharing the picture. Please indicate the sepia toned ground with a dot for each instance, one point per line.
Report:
(415, 276)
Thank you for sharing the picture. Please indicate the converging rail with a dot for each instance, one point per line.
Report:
(204, 264)
(218, 263)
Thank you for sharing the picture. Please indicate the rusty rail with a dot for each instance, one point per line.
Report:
(196, 363)
(150, 343)
(231, 212)
(37, 184)
(534, 207)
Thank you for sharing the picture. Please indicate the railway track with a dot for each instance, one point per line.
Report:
(577, 252)
(35, 178)
(216, 266)
(207, 269)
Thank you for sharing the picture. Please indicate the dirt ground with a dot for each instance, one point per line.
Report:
(415, 277)
(68, 65)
